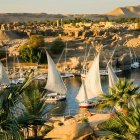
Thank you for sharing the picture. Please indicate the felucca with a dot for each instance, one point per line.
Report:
(4, 79)
(54, 83)
(65, 72)
(112, 77)
(134, 60)
(91, 86)
(85, 69)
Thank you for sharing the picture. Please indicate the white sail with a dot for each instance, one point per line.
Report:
(3, 75)
(113, 79)
(54, 81)
(92, 82)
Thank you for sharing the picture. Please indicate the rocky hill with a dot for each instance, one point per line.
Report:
(129, 11)
(25, 17)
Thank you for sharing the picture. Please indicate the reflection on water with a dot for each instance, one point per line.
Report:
(73, 85)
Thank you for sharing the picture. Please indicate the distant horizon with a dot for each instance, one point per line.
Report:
(64, 7)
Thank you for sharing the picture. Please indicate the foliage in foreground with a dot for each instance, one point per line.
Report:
(121, 96)
(122, 127)
(9, 127)
(34, 114)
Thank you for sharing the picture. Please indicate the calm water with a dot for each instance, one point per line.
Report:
(73, 85)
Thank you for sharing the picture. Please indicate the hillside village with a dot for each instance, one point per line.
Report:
(70, 77)
(79, 32)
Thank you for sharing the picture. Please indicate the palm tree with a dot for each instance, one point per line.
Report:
(34, 114)
(121, 95)
(122, 127)
(9, 128)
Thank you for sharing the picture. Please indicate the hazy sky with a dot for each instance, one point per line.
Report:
(63, 6)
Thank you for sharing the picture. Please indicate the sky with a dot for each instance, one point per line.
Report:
(63, 6)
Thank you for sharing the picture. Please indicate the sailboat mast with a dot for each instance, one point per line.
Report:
(85, 55)
(6, 61)
(65, 65)
(14, 69)
(135, 56)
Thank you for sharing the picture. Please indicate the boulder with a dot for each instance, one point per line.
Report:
(70, 131)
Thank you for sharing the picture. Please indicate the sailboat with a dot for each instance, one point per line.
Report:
(85, 69)
(91, 86)
(65, 73)
(17, 78)
(54, 83)
(14, 80)
(112, 77)
(105, 71)
(4, 79)
(21, 78)
(37, 75)
(134, 60)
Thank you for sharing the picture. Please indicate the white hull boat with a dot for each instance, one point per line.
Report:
(4, 78)
(91, 86)
(66, 75)
(55, 97)
(21, 80)
(135, 65)
(86, 104)
(54, 83)
(105, 72)
(40, 77)
(14, 81)
(134, 60)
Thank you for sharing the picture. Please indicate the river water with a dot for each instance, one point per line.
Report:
(73, 85)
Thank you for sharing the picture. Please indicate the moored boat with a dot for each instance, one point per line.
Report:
(91, 86)
(55, 85)
(4, 79)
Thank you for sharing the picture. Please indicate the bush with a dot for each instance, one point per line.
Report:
(49, 128)
(30, 54)
(57, 46)
(60, 123)
(85, 119)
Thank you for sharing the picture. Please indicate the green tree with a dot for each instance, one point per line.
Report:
(57, 46)
(122, 127)
(35, 111)
(120, 96)
(36, 40)
(9, 107)
(30, 53)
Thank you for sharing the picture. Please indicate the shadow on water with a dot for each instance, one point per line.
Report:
(70, 105)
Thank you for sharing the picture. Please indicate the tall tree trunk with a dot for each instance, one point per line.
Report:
(35, 131)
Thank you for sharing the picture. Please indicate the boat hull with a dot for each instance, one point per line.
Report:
(67, 75)
(105, 72)
(86, 104)
(41, 77)
(135, 65)
(21, 80)
(53, 97)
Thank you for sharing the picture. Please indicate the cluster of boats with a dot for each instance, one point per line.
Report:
(89, 91)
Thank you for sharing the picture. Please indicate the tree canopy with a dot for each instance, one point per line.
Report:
(36, 40)
(57, 46)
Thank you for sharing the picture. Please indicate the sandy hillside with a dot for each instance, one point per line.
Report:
(129, 11)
